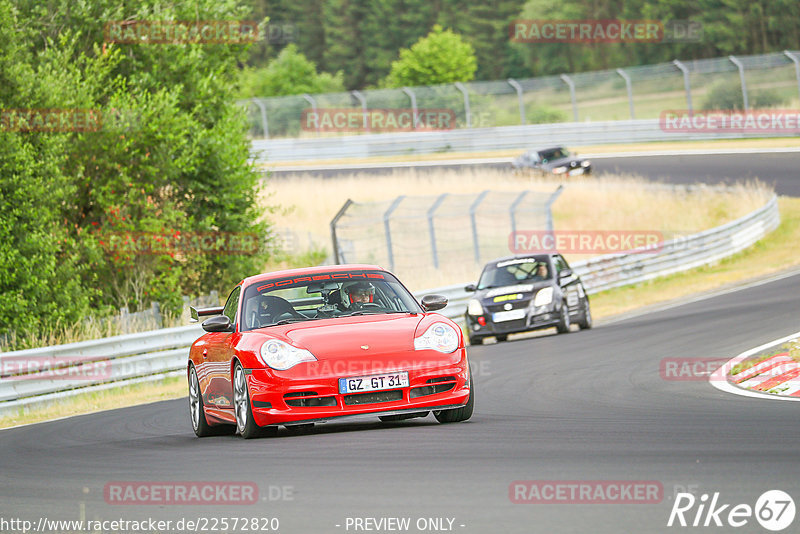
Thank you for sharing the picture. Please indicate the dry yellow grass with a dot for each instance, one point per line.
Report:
(308, 204)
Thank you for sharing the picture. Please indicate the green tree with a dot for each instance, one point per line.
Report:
(440, 57)
(288, 74)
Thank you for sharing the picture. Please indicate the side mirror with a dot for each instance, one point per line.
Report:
(220, 323)
(470, 288)
(433, 302)
(565, 273)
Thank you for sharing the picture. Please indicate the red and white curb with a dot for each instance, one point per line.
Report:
(775, 378)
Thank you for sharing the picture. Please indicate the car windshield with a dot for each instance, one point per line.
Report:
(555, 153)
(512, 272)
(324, 296)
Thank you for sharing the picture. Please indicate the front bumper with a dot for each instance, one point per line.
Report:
(312, 394)
(535, 319)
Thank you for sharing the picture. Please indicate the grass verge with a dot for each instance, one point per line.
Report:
(772, 254)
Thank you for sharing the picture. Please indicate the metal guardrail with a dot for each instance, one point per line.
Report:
(75, 368)
(572, 134)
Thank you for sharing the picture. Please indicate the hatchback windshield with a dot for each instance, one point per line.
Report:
(512, 272)
(324, 296)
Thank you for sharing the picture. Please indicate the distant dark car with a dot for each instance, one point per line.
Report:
(523, 293)
(556, 160)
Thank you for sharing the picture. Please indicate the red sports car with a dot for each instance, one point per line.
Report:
(309, 345)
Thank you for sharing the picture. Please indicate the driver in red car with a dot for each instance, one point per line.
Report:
(357, 293)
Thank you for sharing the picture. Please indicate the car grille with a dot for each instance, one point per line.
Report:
(509, 326)
(308, 399)
(439, 385)
(515, 305)
(375, 397)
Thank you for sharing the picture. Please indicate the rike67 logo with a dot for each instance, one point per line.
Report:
(774, 510)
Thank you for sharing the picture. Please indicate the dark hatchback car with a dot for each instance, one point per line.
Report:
(523, 293)
(553, 161)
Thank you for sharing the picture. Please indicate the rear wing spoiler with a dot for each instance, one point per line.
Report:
(195, 313)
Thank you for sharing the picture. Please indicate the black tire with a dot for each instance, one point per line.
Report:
(402, 417)
(475, 340)
(196, 413)
(564, 322)
(242, 408)
(458, 414)
(501, 337)
(586, 316)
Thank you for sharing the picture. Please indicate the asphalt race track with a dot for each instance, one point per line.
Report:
(780, 170)
(589, 405)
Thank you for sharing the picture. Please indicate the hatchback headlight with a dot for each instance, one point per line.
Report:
(438, 336)
(282, 356)
(559, 170)
(543, 297)
(474, 307)
(585, 163)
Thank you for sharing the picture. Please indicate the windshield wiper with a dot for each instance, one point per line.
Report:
(366, 312)
(292, 320)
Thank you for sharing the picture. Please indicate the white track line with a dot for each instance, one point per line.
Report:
(719, 379)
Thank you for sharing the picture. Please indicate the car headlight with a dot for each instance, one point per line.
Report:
(543, 297)
(559, 170)
(474, 307)
(585, 163)
(438, 336)
(282, 356)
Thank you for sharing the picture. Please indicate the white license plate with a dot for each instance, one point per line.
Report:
(576, 172)
(360, 384)
(510, 315)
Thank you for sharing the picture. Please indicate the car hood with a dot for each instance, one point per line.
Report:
(337, 338)
(529, 288)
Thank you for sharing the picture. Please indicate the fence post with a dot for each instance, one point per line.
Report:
(413, 98)
(686, 84)
(335, 220)
(549, 206)
(310, 100)
(513, 211)
(388, 230)
(156, 312)
(460, 87)
(796, 62)
(741, 77)
(566, 79)
(432, 229)
(472, 209)
(264, 125)
(358, 96)
(630, 90)
(518, 88)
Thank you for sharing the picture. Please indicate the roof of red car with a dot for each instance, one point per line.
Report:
(309, 270)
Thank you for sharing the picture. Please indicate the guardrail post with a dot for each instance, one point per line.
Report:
(388, 230)
(566, 79)
(549, 207)
(310, 100)
(513, 211)
(796, 62)
(630, 90)
(741, 77)
(411, 96)
(518, 88)
(264, 126)
(686, 84)
(472, 209)
(432, 229)
(460, 87)
(339, 214)
(358, 96)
